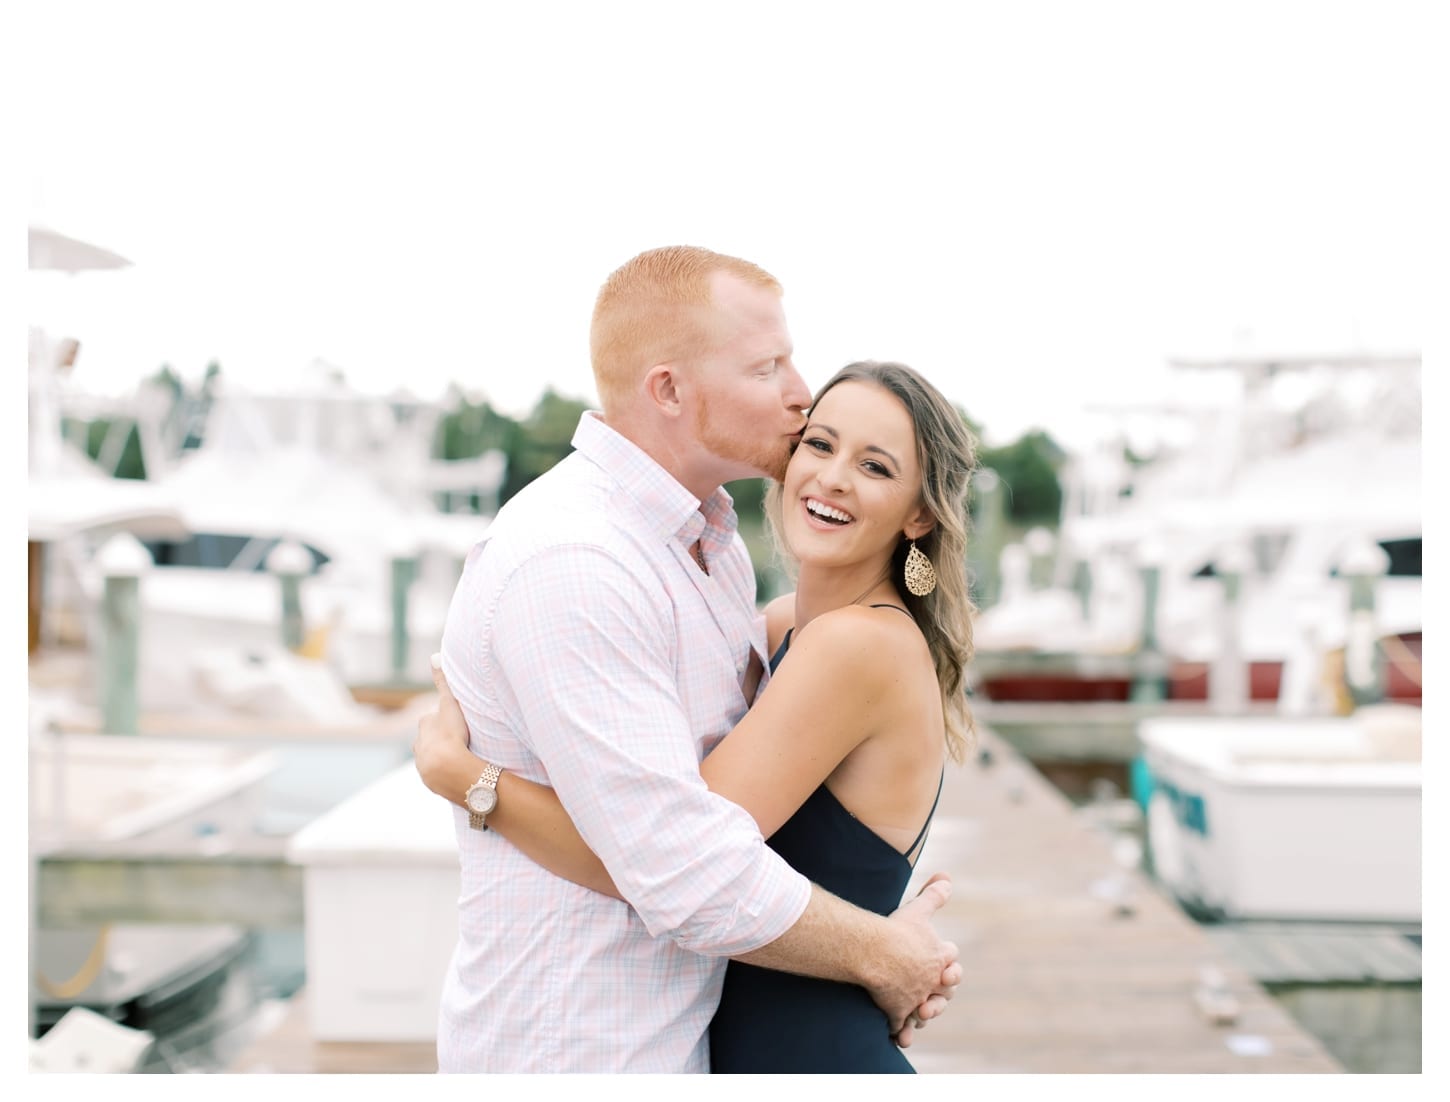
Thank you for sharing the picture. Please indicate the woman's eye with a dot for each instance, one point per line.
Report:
(819, 444)
(875, 468)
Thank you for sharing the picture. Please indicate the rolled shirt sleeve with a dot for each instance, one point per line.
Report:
(587, 648)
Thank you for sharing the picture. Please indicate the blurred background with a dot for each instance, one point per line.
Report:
(307, 302)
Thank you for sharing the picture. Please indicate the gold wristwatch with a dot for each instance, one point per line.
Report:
(482, 797)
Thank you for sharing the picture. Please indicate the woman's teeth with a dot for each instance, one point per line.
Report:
(826, 512)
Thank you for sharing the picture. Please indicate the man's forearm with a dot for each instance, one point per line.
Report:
(832, 940)
(899, 960)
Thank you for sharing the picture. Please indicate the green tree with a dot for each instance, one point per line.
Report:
(542, 440)
(532, 445)
(1028, 468)
(749, 497)
(471, 429)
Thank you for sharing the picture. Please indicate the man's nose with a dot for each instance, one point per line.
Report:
(797, 394)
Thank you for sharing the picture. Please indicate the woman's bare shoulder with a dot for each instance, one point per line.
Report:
(858, 636)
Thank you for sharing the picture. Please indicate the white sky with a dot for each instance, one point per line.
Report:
(1033, 203)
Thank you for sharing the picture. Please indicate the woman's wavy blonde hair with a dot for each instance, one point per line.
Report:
(947, 454)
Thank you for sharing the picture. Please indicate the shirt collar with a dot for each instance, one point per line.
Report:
(670, 509)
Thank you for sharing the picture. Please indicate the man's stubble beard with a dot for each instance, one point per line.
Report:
(768, 460)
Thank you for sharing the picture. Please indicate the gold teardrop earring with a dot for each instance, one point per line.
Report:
(920, 574)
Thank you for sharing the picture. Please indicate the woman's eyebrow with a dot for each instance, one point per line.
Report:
(882, 451)
(869, 447)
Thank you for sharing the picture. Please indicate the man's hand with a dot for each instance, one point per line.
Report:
(922, 973)
(935, 1004)
(442, 737)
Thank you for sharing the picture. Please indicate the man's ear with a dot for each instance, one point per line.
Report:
(661, 384)
(919, 524)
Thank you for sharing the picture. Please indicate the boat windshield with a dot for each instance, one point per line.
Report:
(223, 551)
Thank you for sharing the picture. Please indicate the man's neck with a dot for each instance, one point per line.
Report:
(672, 456)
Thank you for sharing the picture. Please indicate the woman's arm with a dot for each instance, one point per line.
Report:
(819, 706)
(529, 815)
(837, 689)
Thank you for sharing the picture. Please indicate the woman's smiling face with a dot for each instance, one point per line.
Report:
(853, 487)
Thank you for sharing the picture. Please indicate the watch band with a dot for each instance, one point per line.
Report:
(489, 779)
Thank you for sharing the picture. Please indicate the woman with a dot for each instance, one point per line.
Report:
(841, 775)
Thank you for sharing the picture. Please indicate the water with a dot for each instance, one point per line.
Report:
(225, 1020)
(310, 780)
(249, 1005)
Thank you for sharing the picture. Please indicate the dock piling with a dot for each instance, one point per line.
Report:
(123, 560)
(1228, 679)
(1364, 564)
(290, 562)
(984, 542)
(1150, 682)
(404, 570)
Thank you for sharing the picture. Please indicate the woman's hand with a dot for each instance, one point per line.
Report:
(441, 744)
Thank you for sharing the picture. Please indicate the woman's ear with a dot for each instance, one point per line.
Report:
(919, 524)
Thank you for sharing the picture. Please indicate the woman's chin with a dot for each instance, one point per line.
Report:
(809, 553)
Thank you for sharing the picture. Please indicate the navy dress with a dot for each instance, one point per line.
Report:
(775, 1022)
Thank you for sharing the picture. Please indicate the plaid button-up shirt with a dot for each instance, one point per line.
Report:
(589, 652)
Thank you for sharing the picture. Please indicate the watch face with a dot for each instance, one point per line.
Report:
(481, 800)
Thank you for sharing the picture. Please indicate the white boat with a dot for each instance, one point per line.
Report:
(86, 789)
(213, 587)
(1279, 818)
(1287, 487)
(317, 468)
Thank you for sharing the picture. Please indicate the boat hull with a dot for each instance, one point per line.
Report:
(1275, 818)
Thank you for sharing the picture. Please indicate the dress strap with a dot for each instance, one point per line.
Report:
(898, 609)
(920, 838)
(780, 650)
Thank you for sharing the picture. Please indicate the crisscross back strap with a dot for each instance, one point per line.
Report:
(920, 838)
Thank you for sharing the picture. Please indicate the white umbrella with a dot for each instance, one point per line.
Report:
(54, 252)
(51, 251)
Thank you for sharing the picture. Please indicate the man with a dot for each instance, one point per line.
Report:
(602, 639)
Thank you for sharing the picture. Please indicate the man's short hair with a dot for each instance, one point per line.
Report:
(649, 312)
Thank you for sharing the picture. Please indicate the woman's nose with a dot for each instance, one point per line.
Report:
(835, 475)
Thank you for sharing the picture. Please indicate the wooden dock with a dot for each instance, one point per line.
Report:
(290, 1048)
(1059, 977)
